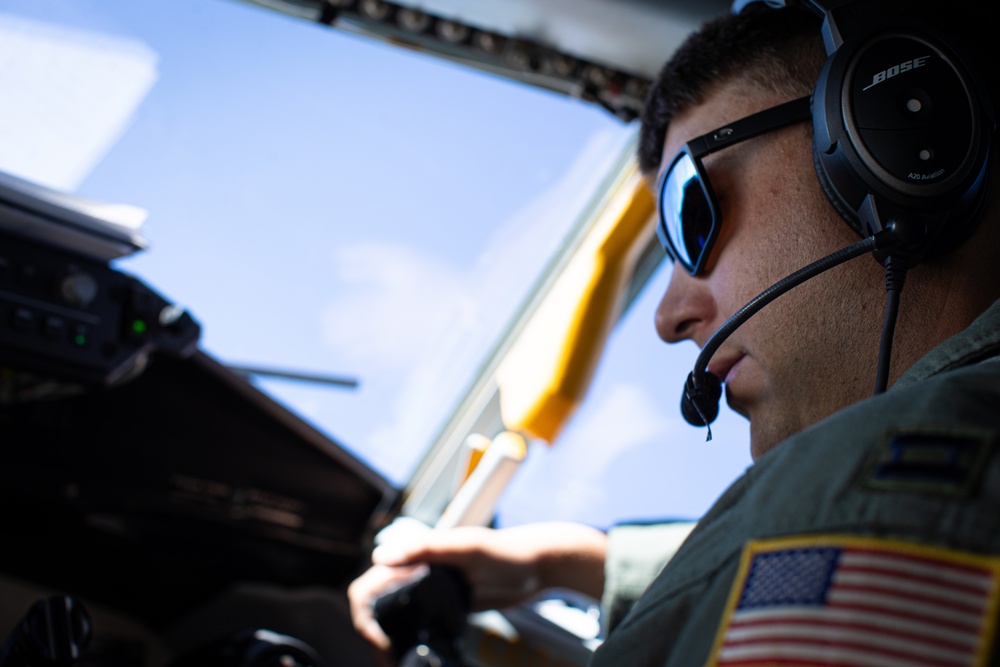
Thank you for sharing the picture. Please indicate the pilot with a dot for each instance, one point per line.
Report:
(868, 529)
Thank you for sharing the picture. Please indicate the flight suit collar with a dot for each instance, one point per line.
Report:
(978, 342)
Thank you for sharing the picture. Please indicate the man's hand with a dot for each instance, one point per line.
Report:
(503, 567)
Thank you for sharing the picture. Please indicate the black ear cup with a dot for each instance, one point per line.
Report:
(841, 206)
(901, 131)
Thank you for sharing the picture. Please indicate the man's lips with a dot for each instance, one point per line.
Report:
(721, 367)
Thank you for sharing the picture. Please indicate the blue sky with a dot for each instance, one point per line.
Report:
(323, 202)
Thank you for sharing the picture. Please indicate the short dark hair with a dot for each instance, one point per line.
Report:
(781, 50)
(777, 49)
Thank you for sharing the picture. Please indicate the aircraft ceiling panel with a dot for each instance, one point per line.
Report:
(636, 36)
(602, 51)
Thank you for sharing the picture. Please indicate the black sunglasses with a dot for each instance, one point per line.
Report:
(689, 214)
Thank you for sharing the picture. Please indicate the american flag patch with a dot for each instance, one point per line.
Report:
(841, 600)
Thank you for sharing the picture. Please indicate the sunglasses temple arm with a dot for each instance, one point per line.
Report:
(762, 122)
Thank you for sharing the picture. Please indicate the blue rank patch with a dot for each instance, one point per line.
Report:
(929, 462)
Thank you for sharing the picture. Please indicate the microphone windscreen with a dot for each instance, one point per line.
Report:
(700, 400)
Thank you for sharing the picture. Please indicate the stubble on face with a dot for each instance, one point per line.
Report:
(813, 350)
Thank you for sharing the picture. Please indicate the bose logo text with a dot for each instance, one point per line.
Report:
(904, 66)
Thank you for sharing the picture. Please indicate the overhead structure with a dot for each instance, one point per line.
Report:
(601, 51)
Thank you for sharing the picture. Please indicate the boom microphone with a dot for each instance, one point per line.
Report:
(703, 390)
(700, 402)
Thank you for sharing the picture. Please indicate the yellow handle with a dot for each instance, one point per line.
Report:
(548, 371)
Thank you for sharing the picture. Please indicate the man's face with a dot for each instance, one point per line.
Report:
(813, 350)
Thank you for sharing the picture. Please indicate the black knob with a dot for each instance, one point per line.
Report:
(78, 289)
(425, 619)
(252, 648)
(54, 633)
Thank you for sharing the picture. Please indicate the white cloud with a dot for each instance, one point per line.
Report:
(68, 95)
(624, 418)
(394, 303)
(400, 314)
(627, 416)
(430, 323)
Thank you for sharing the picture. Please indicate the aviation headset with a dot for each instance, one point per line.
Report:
(902, 125)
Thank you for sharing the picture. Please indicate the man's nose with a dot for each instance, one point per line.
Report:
(686, 310)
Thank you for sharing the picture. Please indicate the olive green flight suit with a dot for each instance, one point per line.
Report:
(913, 471)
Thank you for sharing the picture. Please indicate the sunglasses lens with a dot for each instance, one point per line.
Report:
(685, 213)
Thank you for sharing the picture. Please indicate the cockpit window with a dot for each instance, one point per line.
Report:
(327, 203)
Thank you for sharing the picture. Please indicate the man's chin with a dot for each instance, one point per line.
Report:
(738, 405)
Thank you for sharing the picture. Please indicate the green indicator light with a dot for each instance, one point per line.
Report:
(139, 326)
(80, 339)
